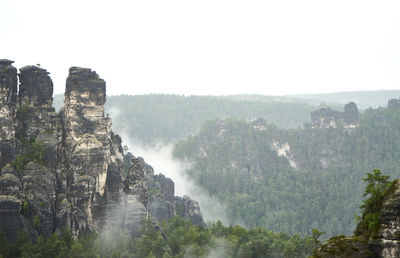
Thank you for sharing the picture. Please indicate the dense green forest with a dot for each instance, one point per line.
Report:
(173, 238)
(321, 188)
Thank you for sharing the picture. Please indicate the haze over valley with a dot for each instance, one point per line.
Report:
(214, 128)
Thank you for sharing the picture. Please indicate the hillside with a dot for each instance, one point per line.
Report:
(163, 118)
(364, 99)
(297, 179)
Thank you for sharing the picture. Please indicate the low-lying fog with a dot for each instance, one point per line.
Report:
(160, 158)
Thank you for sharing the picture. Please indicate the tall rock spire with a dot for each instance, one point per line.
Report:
(88, 141)
(36, 87)
(8, 101)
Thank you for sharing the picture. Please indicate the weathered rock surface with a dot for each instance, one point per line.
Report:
(163, 204)
(66, 170)
(36, 87)
(351, 115)
(341, 246)
(8, 101)
(387, 240)
(326, 117)
(191, 209)
(385, 243)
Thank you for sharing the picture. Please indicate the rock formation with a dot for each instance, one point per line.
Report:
(65, 170)
(259, 124)
(393, 103)
(163, 203)
(8, 101)
(384, 243)
(351, 115)
(326, 117)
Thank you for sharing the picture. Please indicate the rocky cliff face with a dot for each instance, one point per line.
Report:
(65, 170)
(326, 117)
(386, 243)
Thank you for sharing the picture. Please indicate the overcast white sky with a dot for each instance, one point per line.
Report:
(210, 46)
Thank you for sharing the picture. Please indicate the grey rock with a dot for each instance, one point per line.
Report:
(259, 124)
(76, 178)
(36, 87)
(10, 222)
(191, 210)
(10, 185)
(8, 101)
(351, 115)
(326, 117)
(387, 243)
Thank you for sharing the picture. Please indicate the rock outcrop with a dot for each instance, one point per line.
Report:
(326, 117)
(383, 243)
(386, 243)
(259, 124)
(164, 204)
(393, 103)
(351, 115)
(8, 101)
(66, 170)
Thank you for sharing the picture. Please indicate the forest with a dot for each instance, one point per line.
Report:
(173, 238)
(321, 188)
(162, 118)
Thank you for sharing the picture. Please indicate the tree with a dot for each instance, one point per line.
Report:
(315, 234)
(377, 188)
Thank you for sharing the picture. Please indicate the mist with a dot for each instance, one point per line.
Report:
(160, 158)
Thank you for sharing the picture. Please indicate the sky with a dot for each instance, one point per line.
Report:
(209, 47)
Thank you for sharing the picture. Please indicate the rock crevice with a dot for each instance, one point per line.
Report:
(66, 170)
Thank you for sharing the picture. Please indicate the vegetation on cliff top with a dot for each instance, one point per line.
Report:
(240, 166)
(378, 188)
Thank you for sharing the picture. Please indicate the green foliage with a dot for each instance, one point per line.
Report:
(23, 113)
(315, 235)
(155, 192)
(36, 222)
(4, 245)
(378, 187)
(342, 246)
(25, 208)
(33, 151)
(127, 162)
(175, 238)
(261, 188)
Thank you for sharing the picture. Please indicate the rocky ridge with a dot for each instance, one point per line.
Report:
(326, 117)
(65, 170)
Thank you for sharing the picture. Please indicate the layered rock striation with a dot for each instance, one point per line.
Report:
(386, 243)
(66, 170)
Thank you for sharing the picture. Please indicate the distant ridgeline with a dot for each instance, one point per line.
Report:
(156, 118)
(296, 179)
(66, 170)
